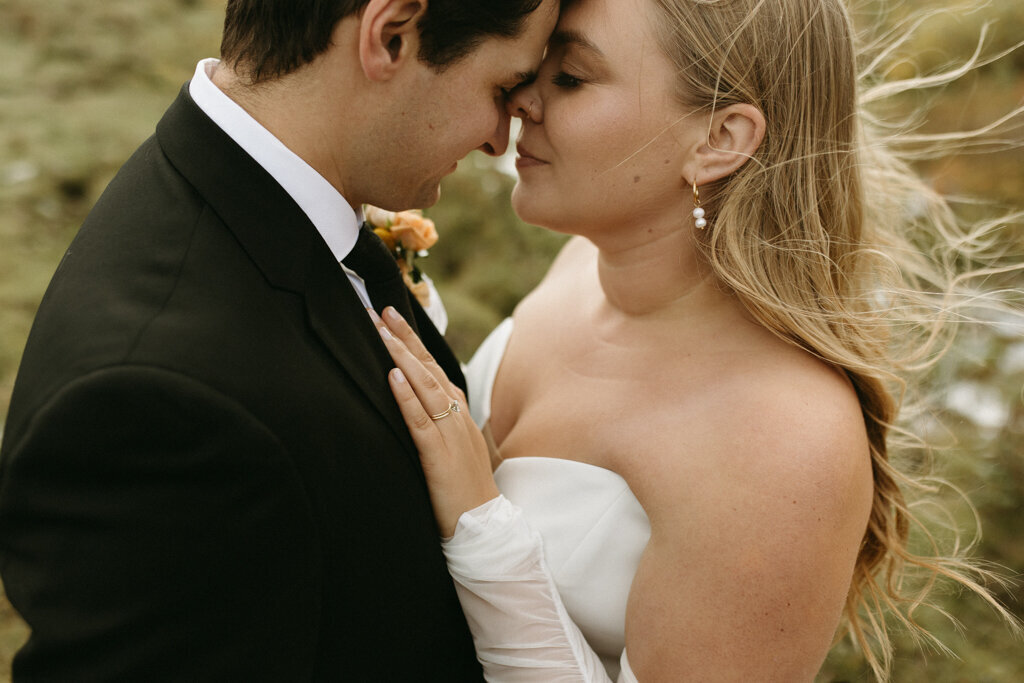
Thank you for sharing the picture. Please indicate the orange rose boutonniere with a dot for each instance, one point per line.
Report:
(408, 235)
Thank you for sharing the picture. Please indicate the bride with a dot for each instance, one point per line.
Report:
(684, 447)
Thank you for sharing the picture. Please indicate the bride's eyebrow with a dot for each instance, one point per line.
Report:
(571, 38)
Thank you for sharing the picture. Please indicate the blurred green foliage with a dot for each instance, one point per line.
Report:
(84, 83)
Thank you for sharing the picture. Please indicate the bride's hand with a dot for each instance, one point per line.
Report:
(453, 452)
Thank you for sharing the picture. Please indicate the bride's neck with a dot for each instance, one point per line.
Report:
(652, 272)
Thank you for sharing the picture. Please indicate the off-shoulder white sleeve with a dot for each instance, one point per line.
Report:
(521, 630)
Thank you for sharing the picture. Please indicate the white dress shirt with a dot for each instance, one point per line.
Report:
(335, 219)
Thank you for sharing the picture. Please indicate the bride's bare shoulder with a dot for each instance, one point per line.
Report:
(758, 499)
(773, 424)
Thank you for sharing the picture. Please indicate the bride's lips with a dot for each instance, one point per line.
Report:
(527, 160)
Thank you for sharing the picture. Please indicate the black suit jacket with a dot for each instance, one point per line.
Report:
(204, 475)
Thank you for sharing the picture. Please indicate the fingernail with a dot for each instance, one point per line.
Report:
(386, 333)
(392, 315)
(399, 376)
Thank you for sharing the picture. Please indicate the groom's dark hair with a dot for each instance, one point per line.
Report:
(271, 38)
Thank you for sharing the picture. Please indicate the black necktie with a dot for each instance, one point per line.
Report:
(372, 261)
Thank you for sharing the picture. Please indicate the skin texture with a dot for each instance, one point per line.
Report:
(749, 456)
(382, 127)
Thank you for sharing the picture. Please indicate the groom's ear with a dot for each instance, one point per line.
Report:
(734, 134)
(389, 36)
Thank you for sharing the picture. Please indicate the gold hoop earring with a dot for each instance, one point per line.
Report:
(698, 211)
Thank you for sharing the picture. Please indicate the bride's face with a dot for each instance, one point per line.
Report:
(603, 140)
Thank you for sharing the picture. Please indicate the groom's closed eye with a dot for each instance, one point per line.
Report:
(519, 80)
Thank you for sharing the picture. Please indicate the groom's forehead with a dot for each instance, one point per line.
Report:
(506, 63)
(525, 50)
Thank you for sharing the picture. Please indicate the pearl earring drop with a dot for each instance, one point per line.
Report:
(698, 211)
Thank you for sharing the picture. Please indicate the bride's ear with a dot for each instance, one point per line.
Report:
(389, 36)
(733, 135)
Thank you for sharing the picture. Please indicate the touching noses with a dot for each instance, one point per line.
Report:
(523, 103)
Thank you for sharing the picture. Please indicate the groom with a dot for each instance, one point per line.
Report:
(204, 476)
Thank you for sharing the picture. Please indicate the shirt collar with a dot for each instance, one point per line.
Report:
(335, 219)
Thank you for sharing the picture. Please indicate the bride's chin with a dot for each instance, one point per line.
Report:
(547, 221)
(517, 200)
(526, 207)
(529, 207)
(545, 211)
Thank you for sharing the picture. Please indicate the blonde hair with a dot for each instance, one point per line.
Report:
(833, 244)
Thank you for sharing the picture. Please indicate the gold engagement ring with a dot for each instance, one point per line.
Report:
(453, 407)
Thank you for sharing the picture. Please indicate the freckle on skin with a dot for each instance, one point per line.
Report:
(636, 179)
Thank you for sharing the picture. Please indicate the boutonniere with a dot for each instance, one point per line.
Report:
(408, 235)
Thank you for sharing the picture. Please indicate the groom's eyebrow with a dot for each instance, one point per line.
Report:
(523, 78)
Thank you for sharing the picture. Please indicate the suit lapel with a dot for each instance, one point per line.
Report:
(338, 317)
(437, 346)
(284, 244)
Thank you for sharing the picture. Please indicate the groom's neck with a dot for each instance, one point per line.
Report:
(300, 112)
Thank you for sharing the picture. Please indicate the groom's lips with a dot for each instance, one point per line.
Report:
(525, 159)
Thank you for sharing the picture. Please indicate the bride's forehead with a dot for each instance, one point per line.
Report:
(605, 21)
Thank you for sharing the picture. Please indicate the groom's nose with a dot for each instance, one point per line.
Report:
(497, 143)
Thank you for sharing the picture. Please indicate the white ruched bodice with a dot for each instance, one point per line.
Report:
(593, 527)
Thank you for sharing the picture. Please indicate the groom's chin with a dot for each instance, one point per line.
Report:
(419, 198)
(430, 198)
(423, 196)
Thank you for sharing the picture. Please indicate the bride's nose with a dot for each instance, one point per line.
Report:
(524, 103)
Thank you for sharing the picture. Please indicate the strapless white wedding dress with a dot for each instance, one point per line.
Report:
(591, 526)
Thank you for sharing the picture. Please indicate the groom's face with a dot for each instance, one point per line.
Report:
(450, 113)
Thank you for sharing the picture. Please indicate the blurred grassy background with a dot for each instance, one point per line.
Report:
(84, 82)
